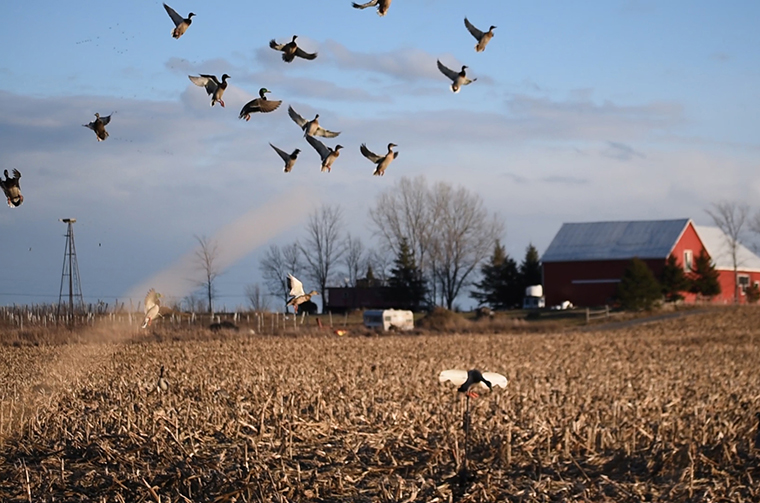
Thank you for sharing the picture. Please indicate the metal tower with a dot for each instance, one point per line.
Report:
(70, 274)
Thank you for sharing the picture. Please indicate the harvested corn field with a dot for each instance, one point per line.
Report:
(658, 412)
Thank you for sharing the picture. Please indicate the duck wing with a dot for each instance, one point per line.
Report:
(151, 301)
(318, 146)
(296, 118)
(178, 20)
(324, 133)
(274, 45)
(369, 154)
(457, 377)
(296, 287)
(266, 106)
(474, 31)
(495, 379)
(371, 3)
(447, 71)
(210, 82)
(305, 55)
(105, 120)
(283, 155)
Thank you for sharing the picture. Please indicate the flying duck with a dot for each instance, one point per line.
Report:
(298, 296)
(382, 161)
(458, 79)
(291, 50)
(260, 104)
(290, 159)
(181, 24)
(382, 6)
(310, 128)
(469, 380)
(162, 385)
(482, 38)
(11, 189)
(153, 308)
(214, 88)
(327, 154)
(99, 126)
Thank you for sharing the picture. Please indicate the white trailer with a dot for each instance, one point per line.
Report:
(389, 319)
(534, 297)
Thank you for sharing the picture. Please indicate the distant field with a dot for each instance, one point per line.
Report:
(656, 412)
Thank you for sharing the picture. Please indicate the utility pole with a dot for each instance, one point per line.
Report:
(70, 273)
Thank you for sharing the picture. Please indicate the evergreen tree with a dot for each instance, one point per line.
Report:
(704, 278)
(530, 268)
(673, 280)
(407, 285)
(753, 294)
(638, 288)
(501, 286)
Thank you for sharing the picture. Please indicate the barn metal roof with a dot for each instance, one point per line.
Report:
(717, 247)
(614, 240)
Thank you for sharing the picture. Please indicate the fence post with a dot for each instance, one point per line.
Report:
(606, 311)
(588, 315)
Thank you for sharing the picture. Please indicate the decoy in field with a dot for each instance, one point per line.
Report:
(290, 159)
(382, 6)
(260, 104)
(214, 88)
(162, 385)
(470, 380)
(298, 296)
(180, 24)
(291, 50)
(12, 189)
(382, 161)
(310, 128)
(153, 308)
(458, 79)
(99, 126)
(328, 155)
(481, 37)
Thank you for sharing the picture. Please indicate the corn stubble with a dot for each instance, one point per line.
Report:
(663, 412)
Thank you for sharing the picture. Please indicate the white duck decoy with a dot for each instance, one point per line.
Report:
(327, 154)
(382, 161)
(458, 79)
(181, 24)
(290, 159)
(482, 37)
(311, 128)
(473, 379)
(297, 293)
(214, 88)
(12, 189)
(153, 308)
(382, 6)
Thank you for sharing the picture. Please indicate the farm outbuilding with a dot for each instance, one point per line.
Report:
(585, 261)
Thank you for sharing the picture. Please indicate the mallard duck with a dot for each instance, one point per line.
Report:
(382, 161)
(291, 50)
(310, 128)
(327, 154)
(469, 380)
(260, 104)
(162, 385)
(290, 159)
(458, 79)
(482, 38)
(298, 296)
(11, 189)
(99, 126)
(153, 308)
(181, 24)
(214, 88)
(382, 6)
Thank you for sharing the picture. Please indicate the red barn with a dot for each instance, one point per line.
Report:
(585, 261)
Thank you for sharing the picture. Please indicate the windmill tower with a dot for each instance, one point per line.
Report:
(70, 274)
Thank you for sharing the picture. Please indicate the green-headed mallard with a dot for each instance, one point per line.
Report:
(153, 308)
(327, 154)
(214, 88)
(382, 161)
(458, 79)
(482, 38)
(382, 6)
(99, 126)
(469, 380)
(11, 189)
(297, 294)
(260, 104)
(290, 159)
(180, 24)
(291, 50)
(310, 128)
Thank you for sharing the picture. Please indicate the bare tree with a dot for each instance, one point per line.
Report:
(275, 267)
(206, 257)
(381, 263)
(256, 298)
(730, 218)
(193, 302)
(323, 246)
(354, 259)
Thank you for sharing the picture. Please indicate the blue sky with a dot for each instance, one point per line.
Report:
(597, 111)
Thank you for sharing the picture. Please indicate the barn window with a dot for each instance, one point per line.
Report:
(688, 260)
(743, 282)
